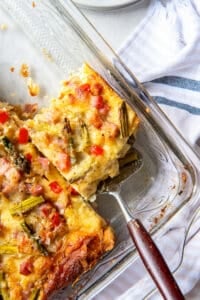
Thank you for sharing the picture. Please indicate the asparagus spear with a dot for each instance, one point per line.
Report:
(34, 295)
(8, 249)
(36, 239)
(26, 205)
(3, 287)
(84, 133)
(17, 158)
(67, 130)
(123, 116)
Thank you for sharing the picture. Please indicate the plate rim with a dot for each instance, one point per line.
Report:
(110, 4)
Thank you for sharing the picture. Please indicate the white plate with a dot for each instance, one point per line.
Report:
(104, 4)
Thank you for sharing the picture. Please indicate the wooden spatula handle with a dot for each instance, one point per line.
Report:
(154, 261)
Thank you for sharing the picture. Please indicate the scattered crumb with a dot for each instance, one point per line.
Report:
(33, 4)
(184, 181)
(155, 220)
(33, 88)
(65, 82)
(24, 70)
(184, 177)
(47, 54)
(61, 95)
(159, 216)
(3, 26)
(12, 69)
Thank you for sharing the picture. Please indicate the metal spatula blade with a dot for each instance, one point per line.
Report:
(147, 249)
(129, 165)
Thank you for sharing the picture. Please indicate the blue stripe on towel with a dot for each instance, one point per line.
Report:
(191, 109)
(181, 82)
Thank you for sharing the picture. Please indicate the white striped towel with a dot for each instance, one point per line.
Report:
(164, 53)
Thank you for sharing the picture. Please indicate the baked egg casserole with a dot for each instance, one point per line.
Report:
(51, 162)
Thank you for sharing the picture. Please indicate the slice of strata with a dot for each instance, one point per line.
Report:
(85, 130)
(48, 234)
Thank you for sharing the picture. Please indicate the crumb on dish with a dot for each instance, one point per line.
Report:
(12, 69)
(24, 70)
(33, 87)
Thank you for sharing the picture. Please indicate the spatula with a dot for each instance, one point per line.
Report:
(148, 251)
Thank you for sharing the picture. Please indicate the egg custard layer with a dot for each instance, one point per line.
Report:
(48, 234)
(85, 130)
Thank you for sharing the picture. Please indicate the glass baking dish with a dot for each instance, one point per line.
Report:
(54, 39)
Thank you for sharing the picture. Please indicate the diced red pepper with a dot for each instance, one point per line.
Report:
(26, 268)
(29, 157)
(96, 150)
(83, 89)
(4, 116)
(55, 187)
(23, 136)
(67, 163)
(56, 219)
(73, 191)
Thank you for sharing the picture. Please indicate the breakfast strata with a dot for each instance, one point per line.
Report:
(48, 234)
(51, 161)
(85, 130)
